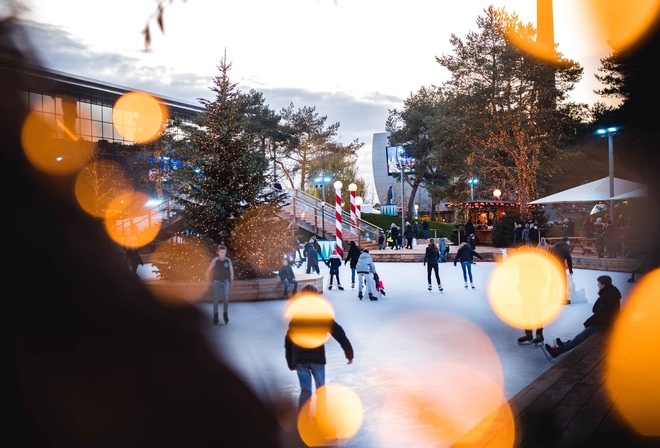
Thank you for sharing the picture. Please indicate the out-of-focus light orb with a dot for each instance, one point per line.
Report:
(51, 147)
(139, 117)
(420, 384)
(632, 367)
(528, 289)
(98, 184)
(337, 416)
(129, 221)
(311, 317)
(459, 410)
(621, 23)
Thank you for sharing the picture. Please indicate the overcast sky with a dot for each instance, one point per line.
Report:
(351, 59)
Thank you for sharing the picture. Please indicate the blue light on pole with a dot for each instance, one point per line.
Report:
(610, 146)
(320, 183)
(474, 181)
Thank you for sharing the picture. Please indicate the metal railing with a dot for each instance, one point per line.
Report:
(305, 205)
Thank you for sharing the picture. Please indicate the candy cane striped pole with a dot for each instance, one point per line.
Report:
(338, 211)
(358, 214)
(352, 188)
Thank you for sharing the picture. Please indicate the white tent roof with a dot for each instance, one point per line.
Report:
(598, 190)
(639, 193)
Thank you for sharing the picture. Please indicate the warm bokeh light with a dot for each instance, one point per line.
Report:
(460, 405)
(311, 318)
(52, 148)
(439, 354)
(632, 367)
(528, 289)
(337, 416)
(98, 184)
(130, 222)
(139, 117)
(621, 23)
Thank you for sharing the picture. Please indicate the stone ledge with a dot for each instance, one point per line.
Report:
(253, 290)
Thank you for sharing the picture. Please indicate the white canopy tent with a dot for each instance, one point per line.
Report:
(597, 191)
(639, 193)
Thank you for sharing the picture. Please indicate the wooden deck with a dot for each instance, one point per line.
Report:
(567, 406)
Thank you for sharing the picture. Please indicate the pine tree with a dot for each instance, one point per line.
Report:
(224, 173)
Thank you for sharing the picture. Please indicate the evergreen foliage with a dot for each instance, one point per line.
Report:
(222, 174)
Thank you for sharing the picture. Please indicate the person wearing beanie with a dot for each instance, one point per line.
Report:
(335, 262)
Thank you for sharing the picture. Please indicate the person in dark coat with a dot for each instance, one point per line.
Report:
(310, 362)
(605, 311)
(395, 235)
(352, 256)
(562, 251)
(287, 277)
(312, 257)
(431, 260)
(464, 254)
(409, 234)
(335, 263)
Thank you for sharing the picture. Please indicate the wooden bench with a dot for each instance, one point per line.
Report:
(567, 406)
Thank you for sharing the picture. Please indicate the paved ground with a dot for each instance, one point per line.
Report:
(406, 341)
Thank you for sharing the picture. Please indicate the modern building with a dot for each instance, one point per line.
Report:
(84, 105)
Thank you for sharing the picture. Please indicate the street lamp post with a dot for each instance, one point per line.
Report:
(610, 147)
(473, 181)
(322, 181)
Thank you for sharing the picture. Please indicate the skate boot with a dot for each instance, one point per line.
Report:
(372, 297)
(430, 286)
(472, 284)
(538, 339)
(360, 295)
(330, 287)
(465, 285)
(215, 319)
(340, 287)
(526, 338)
(225, 316)
(550, 352)
(440, 288)
(560, 345)
(352, 285)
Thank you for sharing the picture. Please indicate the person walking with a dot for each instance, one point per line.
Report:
(335, 263)
(352, 256)
(431, 260)
(221, 271)
(310, 362)
(562, 252)
(425, 229)
(464, 254)
(287, 277)
(365, 269)
(409, 234)
(605, 311)
(312, 257)
(395, 234)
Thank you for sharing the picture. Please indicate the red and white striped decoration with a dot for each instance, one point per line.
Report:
(353, 212)
(338, 211)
